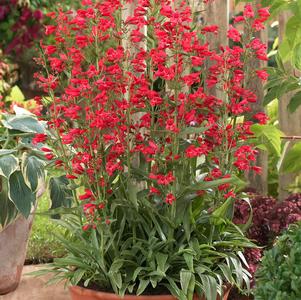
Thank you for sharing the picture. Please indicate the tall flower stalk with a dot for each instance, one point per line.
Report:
(141, 130)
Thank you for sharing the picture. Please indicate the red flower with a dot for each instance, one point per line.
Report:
(230, 194)
(49, 29)
(262, 74)
(153, 190)
(39, 138)
(234, 34)
(87, 195)
(210, 28)
(86, 227)
(170, 198)
(264, 14)
(261, 117)
(248, 11)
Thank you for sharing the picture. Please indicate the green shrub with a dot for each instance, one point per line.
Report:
(279, 276)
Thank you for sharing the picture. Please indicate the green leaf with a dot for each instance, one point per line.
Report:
(60, 193)
(142, 286)
(189, 261)
(7, 151)
(28, 124)
(187, 281)
(222, 212)
(209, 286)
(158, 228)
(16, 95)
(20, 194)
(283, 156)
(116, 280)
(161, 259)
(296, 58)
(226, 272)
(33, 171)
(132, 190)
(203, 185)
(270, 136)
(187, 221)
(8, 165)
(292, 31)
(238, 270)
(8, 211)
(173, 288)
(292, 161)
(116, 265)
(295, 102)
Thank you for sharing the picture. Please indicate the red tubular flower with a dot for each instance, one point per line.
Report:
(170, 198)
(261, 117)
(39, 138)
(123, 112)
(262, 74)
(234, 34)
(87, 195)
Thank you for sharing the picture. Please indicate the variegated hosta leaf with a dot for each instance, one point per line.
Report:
(33, 171)
(20, 111)
(8, 165)
(60, 193)
(8, 211)
(24, 123)
(7, 151)
(20, 194)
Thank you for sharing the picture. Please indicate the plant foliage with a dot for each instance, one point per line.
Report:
(279, 275)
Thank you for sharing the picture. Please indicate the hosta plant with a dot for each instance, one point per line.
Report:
(23, 167)
(148, 119)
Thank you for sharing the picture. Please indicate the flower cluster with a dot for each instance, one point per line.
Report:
(25, 28)
(145, 101)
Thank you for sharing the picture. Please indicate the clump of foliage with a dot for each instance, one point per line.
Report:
(279, 276)
(269, 219)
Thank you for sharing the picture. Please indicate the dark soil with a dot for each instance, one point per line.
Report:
(235, 295)
(38, 261)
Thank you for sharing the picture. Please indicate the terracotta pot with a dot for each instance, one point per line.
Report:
(79, 293)
(13, 245)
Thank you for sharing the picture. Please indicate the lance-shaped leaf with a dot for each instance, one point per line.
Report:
(33, 171)
(8, 165)
(20, 194)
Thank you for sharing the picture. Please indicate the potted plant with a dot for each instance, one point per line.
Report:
(147, 121)
(22, 182)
